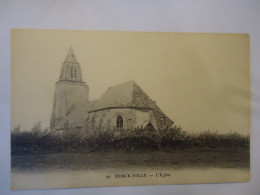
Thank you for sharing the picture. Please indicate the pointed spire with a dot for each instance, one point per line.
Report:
(71, 57)
(71, 70)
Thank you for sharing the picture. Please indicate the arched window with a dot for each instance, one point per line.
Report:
(73, 72)
(119, 122)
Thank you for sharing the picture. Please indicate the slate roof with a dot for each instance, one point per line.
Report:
(127, 94)
(71, 57)
(70, 61)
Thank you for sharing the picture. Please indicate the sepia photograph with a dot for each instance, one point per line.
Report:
(122, 108)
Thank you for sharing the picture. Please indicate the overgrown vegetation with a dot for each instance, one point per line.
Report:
(39, 141)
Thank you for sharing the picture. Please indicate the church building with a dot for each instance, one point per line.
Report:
(122, 107)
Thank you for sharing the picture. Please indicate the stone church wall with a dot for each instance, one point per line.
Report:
(106, 119)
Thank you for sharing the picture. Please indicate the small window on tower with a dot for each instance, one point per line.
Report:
(75, 73)
(71, 72)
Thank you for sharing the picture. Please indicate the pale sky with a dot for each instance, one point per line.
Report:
(200, 81)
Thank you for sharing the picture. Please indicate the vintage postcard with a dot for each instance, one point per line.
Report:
(103, 108)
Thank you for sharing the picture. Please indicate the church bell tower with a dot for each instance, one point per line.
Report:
(70, 90)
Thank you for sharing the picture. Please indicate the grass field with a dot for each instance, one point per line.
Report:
(236, 158)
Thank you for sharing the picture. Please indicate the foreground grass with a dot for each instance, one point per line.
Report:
(188, 158)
